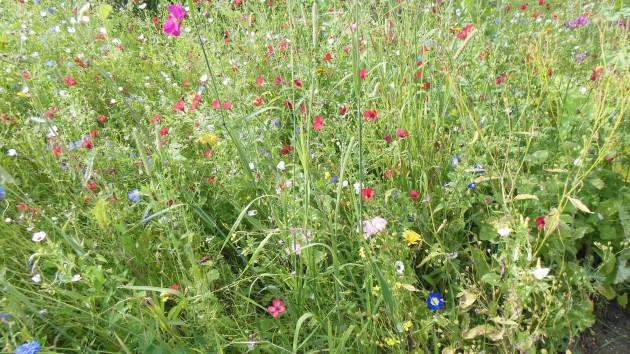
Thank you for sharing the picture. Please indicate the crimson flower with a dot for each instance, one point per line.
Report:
(367, 193)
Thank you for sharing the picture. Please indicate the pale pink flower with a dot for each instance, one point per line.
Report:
(276, 308)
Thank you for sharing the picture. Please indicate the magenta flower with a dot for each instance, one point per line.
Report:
(276, 308)
(171, 26)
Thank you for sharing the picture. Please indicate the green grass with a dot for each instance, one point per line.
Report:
(507, 129)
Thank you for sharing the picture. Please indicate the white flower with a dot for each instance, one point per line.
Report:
(344, 184)
(142, 6)
(252, 166)
(39, 236)
(504, 231)
(76, 277)
(36, 278)
(281, 165)
(203, 78)
(583, 90)
(252, 212)
(400, 267)
(538, 272)
(11, 153)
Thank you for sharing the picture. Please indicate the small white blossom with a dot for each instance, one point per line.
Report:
(39, 236)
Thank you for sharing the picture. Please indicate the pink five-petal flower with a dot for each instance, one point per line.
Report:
(171, 26)
(318, 123)
(276, 308)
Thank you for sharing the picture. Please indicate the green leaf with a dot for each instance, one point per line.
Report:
(103, 11)
(491, 278)
(579, 205)
(623, 269)
(622, 300)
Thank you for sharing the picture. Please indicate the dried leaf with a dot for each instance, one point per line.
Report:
(481, 330)
(409, 287)
(578, 204)
(466, 299)
(525, 197)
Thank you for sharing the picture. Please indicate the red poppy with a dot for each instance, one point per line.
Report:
(367, 193)
(92, 185)
(56, 150)
(208, 153)
(87, 144)
(216, 104)
(278, 80)
(343, 111)
(101, 119)
(156, 118)
(164, 131)
(258, 101)
(523, 7)
(26, 75)
(389, 173)
(93, 134)
(388, 138)
(413, 194)
(327, 57)
(297, 82)
(426, 85)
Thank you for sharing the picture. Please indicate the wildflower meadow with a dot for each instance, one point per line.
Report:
(314, 176)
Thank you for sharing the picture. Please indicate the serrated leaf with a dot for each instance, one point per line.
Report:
(579, 205)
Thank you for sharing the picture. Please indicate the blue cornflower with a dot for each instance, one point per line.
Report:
(28, 348)
(435, 301)
(134, 195)
(50, 63)
(3, 194)
(472, 185)
(333, 180)
(276, 122)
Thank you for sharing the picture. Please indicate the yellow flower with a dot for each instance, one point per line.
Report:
(412, 237)
(392, 341)
(407, 326)
(209, 138)
(361, 252)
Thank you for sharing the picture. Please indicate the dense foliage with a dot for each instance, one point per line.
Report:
(310, 176)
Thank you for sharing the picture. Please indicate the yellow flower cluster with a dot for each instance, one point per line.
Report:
(412, 237)
(208, 138)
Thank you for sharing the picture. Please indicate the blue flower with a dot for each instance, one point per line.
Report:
(479, 170)
(28, 348)
(134, 195)
(435, 301)
(472, 185)
(3, 194)
(333, 180)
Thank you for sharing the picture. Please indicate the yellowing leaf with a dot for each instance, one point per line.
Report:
(466, 299)
(525, 197)
(483, 330)
(578, 204)
(409, 287)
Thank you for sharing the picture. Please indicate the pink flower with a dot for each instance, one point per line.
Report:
(171, 26)
(318, 123)
(216, 104)
(402, 133)
(260, 81)
(388, 139)
(276, 308)
(413, 194)
(370, 115)
(227, 105)
(179, 106)
(69, 81)
(367, 193)
(297, 82)
(373, 226)
(363, 73)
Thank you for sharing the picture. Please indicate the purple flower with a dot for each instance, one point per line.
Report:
(134, 195)
(581, 57)
(581, 21)
(171, 26)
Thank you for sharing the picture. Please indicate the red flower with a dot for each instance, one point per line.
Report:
(402, 133)
(389, 173)
(93, 134)
(69, 81)
(227, 105)
(56, 150)
(156, 118)
(343, 111)
(413, 194)
(288, 105)
(208, 153)
(367, 193)
(370, 115)
(185, 83)
(388, 138)
(87, 143)
(500, 79)
(426, 85)
(101, 119)
(216, 104)
(286, 149)
(179, 106)
(318, 123)
(155, 20)
(549, 72)
(26, 75)
(260, 81)
(540, 222)
(523, 7)
(92, 185)
(362, 73)
(327, 57)
(596, 71)
(51, 112)
(278, 80)
(164, 131)
(297, 82)
(258, 101)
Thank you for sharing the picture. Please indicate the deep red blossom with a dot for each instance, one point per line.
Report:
(413, 194)
(286, 149)
(327, 57)
(540, 222)
(179, 106)
(92, 185)
(362, 73)
(367, 193)
(343, 111)
(500, 79)
(388, 139)
(164, 131)
(297, 82)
